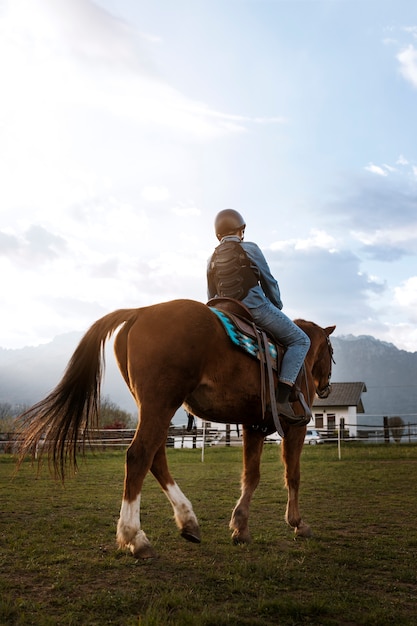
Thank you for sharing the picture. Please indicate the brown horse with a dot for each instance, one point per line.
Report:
(172, 354)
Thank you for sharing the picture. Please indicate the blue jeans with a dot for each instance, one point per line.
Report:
(285, 332)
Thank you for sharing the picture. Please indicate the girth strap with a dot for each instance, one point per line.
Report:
(262, 363)
(266, 363)
(271, 386)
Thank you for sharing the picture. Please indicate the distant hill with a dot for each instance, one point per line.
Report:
(29, 374)
(390, 374)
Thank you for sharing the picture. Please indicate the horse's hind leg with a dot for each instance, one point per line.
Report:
(183, 511)
(147, 452)
(253, 442)
(139, 458)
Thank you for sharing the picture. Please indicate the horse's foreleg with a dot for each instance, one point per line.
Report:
(183, 511)
(129, 533)
(292, 446)
(252, 450)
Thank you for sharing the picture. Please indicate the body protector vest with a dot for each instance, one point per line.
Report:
(231, 271)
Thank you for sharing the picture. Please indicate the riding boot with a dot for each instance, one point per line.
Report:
(284, 407)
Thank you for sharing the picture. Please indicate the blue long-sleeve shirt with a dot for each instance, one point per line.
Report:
(267, 289)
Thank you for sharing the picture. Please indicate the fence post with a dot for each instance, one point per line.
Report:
(204, 442)
(386, 429)
(339, 447)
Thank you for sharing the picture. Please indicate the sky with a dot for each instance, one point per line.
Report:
(126, 125)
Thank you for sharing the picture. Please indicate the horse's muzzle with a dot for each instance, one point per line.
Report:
(325, 392)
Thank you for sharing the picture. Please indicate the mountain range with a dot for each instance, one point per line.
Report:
(390, 375)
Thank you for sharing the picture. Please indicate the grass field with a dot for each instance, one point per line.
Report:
(59, 563)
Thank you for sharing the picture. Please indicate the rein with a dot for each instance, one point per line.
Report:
(324, 393)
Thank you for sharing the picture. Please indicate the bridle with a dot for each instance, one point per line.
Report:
(325, 391)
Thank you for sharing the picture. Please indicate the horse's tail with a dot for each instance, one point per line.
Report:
(62, 422)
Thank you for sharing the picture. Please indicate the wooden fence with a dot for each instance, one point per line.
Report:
(119, 439)
(180, 437)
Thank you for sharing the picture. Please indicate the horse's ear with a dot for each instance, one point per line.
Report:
(329, 330)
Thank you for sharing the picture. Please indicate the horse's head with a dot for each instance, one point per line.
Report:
(322, 369)
(320, 356)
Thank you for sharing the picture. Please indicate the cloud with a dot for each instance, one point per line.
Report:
(89, 114)
(36, 245)
(404, 333)
(402, 160)
(76, 27)
(8, 243)
(107, 269)
(406, 296)
(183, 210)
(376, 169)
(44, 244)
(76, 54)
(368, 204)
(384, 252)
(389, 244)
(155, 194)
(408, 64)
(316, 239)
(72, 308)
(318, 284)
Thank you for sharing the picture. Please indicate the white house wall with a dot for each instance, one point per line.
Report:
(348, 413)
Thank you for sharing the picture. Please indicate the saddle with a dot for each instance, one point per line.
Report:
(256, 342)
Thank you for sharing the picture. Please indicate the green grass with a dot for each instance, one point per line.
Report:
(59, 563)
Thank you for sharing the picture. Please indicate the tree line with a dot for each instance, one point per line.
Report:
(111, 416)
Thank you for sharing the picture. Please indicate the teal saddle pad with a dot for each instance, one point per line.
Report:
(246, 342)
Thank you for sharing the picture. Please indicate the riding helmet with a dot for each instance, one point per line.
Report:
(228, 221)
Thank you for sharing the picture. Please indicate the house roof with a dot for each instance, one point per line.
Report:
(343, 394)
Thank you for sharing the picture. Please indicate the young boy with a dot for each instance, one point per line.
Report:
(239, 270)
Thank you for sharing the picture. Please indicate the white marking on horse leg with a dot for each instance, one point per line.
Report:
(129, 533)
(293, 517)
(184, 515)
(129, 521)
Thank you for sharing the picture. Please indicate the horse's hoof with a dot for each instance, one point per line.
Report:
(303, 530)
(144, 552)
(190, 536)
(239, 539)
(191, 532)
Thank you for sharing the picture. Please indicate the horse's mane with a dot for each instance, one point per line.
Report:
(301, 322)
(305, 325)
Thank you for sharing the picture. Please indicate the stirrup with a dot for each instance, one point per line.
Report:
(300, 420)
(285, 409)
